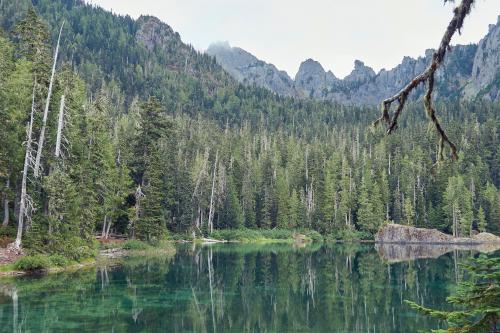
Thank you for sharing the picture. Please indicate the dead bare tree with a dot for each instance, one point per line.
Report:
(60, 124)
(211, 210)
(46, 110)
(427, 76)
(6, 204)
(25, 205)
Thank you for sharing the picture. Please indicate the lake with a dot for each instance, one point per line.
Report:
(236, 288)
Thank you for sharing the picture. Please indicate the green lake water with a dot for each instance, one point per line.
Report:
(236, 288)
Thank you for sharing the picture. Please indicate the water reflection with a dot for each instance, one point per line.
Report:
(235, 288)
(394, 252)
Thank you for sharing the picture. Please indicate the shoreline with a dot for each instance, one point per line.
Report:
(109, 255)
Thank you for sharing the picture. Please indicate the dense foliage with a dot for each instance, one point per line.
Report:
(478, 299)
(157, 139)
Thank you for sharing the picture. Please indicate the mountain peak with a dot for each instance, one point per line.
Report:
(219, 45)
(310, 66)
(247, 68)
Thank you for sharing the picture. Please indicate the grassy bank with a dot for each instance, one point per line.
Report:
(45, 263)
(267, 236)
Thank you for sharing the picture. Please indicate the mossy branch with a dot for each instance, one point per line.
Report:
(427, 76)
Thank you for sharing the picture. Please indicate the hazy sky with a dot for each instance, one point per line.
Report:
(334, 32)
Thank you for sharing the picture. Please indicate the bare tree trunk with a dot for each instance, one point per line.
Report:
(6, 204)
(210, 213)
(46, 110)
(27, 159)
(209, 259)
(104, 224)
(60, 124)
(15, 310)
(108, 229)
(389, 167)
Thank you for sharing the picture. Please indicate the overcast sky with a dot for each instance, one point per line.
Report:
(334, 32)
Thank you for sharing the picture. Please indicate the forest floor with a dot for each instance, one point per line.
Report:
(7, 257)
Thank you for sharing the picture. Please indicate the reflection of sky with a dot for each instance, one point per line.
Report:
(334, 32)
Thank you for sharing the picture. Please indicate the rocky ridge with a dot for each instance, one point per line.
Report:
(470, 71)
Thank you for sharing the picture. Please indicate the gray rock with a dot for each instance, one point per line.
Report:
(469, 71)
(402, 234)
(485, 79)
(246, 68)
(313, 81)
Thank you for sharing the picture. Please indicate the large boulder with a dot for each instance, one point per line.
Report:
(396, 233)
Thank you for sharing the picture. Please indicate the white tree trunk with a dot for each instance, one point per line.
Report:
(209, 259)
(46, 110)
(6, 204)
(108, 229)
(104, 225)
(210, 214)
(60, 124)
(27, 158)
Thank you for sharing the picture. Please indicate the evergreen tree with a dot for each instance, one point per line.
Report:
(481, 220)
(458, 207)
(478, 298)
(232, 214)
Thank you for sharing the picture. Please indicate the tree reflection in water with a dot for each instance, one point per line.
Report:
(236, 288)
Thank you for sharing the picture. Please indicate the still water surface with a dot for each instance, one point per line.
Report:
(235, 288)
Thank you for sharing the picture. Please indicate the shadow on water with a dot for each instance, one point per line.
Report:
(236, 288)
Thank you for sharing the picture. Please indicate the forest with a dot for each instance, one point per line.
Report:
(102, 134)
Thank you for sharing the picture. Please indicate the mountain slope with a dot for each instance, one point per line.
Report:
(247, 69)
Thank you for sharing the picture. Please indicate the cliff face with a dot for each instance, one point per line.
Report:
(470, 71)
(485, 79)
(246, 68)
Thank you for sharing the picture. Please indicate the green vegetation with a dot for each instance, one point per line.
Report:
(478, 299)
(245, 235)
(33, 263)
(135, 245)
(157, 141)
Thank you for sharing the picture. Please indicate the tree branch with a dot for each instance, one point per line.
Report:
(401, 97)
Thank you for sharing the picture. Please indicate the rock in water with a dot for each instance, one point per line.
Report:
(396, 233)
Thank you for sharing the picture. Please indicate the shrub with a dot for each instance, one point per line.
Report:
(135, 244)
(244, 234)
(59, 260)
(76, 253)
(314, 235)
(349, 235)
(33, 263)
(8, 231)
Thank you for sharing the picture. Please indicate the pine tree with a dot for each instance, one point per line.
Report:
(153, 222)
(408, 211)
(371, 209)
(478, 299)
(491, 201)
(232, 214)
(155, 171)
(481, 220)
(458, 207)
(294, 209)
(33, 36)
(282, 195)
